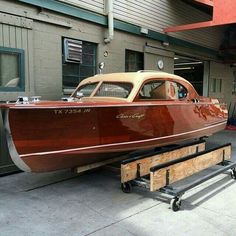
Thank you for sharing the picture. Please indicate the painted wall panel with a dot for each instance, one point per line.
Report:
(95, 5)
(159, 14)
(225, 73)
(156, 15)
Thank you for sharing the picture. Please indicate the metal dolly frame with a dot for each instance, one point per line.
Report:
(177, 193)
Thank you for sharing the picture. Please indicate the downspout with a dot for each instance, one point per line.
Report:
(109, 13)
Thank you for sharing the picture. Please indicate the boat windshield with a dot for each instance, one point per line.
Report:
(86, 89)
(114, 89)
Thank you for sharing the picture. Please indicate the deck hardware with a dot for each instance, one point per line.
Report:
(22, 100)
(35, 98)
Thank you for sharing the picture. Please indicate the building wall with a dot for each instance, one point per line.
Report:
(225, 73)
(157, 15)
(95, 5)
(16, 32)
(42, 41)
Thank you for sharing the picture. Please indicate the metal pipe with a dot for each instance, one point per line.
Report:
(109, 12)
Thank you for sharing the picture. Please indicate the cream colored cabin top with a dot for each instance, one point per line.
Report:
(135, 78)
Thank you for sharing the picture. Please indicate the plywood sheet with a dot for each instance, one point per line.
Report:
(176, 172)
(129, 170)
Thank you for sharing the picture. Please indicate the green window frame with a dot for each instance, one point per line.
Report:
(20, 66)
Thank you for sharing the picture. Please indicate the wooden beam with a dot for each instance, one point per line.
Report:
(224, 12)
(205, 2)
(129, 170)
(181, 170)
(189, 26)
(81, 169)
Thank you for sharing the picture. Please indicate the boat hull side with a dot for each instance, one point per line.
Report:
(47, 139)
(49, 161)
(18, 161)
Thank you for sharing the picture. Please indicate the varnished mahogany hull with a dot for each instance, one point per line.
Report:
(48, 138)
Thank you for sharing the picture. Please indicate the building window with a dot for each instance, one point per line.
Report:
(234, 84)
(11, 69)
(133, 61)
(80, 64)
(216, 85)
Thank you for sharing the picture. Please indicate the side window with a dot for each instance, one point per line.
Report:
(114, 89)
(163, 90)
(11, 69)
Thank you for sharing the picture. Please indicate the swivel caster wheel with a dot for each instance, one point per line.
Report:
(126, 187)
(175, 204)
(233, 173)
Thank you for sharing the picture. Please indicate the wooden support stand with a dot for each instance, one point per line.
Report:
(173, 171)
(140, 166)
(81, 169)
(158, 171)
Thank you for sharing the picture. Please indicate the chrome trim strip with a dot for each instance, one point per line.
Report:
(116, 144)
(12, 149)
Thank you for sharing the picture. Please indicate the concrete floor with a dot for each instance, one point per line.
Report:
(61, 203)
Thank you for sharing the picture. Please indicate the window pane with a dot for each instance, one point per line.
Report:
(87, 71)
(9, 69)
(88, 48)
(164, 90)
(133, 61)
(120, 90)
(87, 89)
(88, 59)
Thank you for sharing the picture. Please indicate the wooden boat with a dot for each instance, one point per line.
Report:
(108, 115)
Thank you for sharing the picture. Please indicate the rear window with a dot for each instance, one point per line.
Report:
(114, 89)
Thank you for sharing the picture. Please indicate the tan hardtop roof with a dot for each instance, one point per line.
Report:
(132, 77)
(136, 78)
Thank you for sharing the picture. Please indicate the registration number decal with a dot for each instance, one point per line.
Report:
(71, 111)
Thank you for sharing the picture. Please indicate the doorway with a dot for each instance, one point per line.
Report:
(192, 70)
